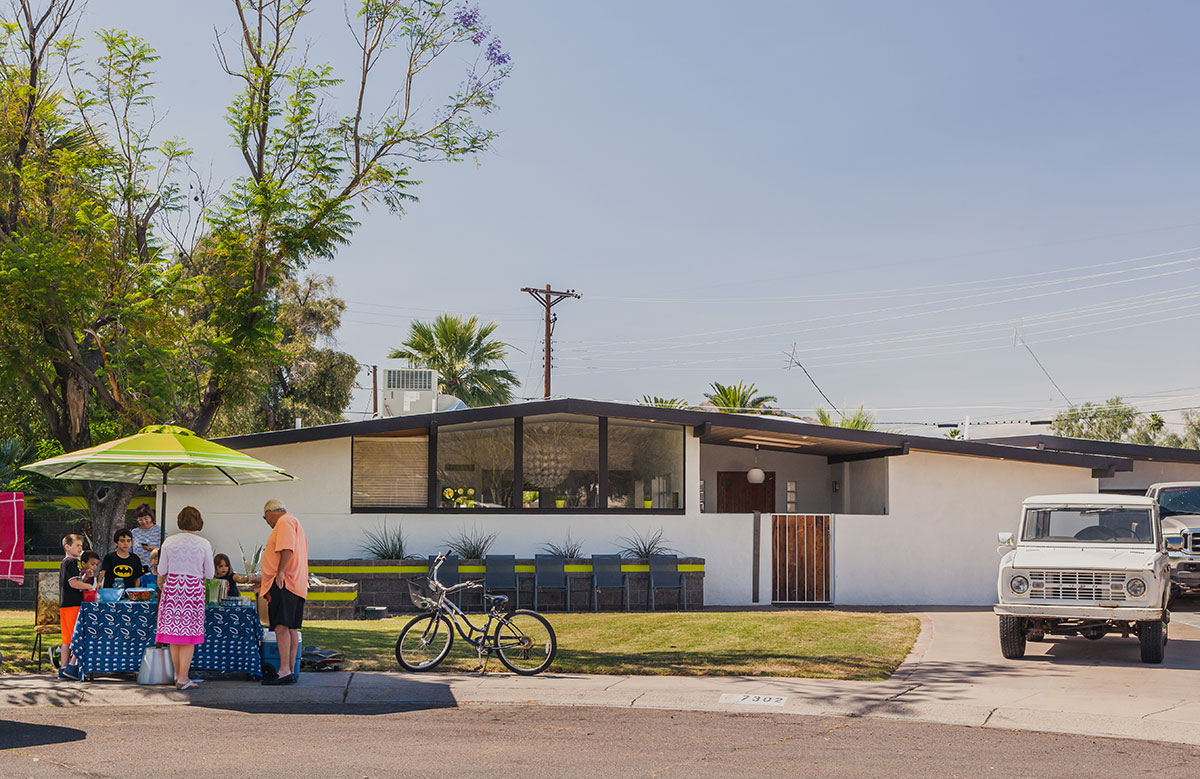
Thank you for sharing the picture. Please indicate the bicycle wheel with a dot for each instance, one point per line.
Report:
(525, 642)
(424, 642)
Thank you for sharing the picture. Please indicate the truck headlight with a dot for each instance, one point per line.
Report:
(1136, 587)
(1020, 585)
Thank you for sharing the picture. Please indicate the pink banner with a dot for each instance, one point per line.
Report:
(12, 536)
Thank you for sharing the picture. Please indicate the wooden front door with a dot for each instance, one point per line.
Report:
(735, 495)
(800, 558)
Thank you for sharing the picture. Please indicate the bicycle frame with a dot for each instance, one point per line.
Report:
(443, 606)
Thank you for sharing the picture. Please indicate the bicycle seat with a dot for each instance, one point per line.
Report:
(495, 600)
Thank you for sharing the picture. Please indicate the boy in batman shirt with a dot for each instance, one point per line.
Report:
(122, 564)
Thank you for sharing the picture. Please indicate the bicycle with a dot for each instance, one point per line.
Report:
(523, 639)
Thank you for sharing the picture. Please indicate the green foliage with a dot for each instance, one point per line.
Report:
(387, 544)
(641, 546)
(470, 544)
(1110, 421)
(655, 400)
(570, 548)
(462, 351)
(14, 454)
(739, 398)
(853, 420)
(252, 563)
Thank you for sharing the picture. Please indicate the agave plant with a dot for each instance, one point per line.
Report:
(386, 544)
(655, 400)
(642, 547)
(470, 544)
(739, 398)
(251, 563)
(569, 548)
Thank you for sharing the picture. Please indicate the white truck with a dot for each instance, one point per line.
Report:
(1084, 565)
(1179, 511)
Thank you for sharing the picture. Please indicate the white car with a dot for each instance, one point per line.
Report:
(1085, 565)
(1179, 512)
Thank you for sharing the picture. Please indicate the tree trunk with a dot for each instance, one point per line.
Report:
(107, 502)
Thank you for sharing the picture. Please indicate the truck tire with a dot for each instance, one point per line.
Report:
(1012, 637)
(1153, 639)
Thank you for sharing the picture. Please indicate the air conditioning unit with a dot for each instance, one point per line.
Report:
(408, 391)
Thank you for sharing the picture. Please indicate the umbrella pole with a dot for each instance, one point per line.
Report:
(162, 512)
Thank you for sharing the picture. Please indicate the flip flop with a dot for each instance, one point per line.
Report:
(189, 685)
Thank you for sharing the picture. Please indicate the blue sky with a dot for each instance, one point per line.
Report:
(891, 187)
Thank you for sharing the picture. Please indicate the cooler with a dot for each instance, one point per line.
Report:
(270, 650)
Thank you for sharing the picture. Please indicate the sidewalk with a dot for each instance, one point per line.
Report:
(955, 676)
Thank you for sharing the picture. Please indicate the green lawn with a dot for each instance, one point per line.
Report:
(815, 644)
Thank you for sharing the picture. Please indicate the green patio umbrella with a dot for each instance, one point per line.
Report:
(158, 453)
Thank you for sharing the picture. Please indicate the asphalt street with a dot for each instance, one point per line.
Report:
(360, 741)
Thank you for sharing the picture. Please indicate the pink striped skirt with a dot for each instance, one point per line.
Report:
(181, 613)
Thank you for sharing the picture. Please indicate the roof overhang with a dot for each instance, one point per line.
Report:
(1102, 448)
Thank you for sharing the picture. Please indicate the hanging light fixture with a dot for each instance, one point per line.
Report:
(755, 475)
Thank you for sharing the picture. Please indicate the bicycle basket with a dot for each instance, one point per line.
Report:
(418, 591)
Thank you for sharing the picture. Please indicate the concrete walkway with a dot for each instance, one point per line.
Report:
(955, 675)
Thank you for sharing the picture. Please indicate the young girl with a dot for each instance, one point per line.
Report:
(224, 570)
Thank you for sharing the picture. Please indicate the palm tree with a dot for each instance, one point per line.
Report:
(739, 399)
(856, 420)
(462, 351)
(655, 400)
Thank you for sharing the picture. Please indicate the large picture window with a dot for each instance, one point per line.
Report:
(475, 465)
(390, 472)
(645, 465)
(561, 462)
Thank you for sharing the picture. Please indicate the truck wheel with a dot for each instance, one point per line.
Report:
(1153, 638)
(1012, 637)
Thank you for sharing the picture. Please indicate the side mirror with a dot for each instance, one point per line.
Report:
(1004, 539)
(1174, 543)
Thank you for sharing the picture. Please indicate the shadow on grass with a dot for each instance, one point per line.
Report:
(748, 662)
(14, 735)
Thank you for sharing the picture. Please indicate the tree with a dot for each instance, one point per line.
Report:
(313, 381)
(854, 420)
(1110, 421)
(655, 400)
(462, 351)
(739, 398)
(121, 296)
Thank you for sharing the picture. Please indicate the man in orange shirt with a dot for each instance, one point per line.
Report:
(285, 576)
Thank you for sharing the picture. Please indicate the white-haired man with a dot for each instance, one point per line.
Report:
(284, 583)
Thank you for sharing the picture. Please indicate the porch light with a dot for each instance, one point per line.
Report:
(755, 475)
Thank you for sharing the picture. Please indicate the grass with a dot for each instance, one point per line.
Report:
(813, 644)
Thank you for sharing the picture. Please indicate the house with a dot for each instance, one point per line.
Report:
(840, 516)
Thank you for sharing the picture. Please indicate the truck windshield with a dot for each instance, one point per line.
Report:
(1179, 500)
(1106, 525)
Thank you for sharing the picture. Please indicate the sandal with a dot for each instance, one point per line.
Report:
(186, 686)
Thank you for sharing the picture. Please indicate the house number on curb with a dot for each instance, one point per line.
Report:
(761, 700)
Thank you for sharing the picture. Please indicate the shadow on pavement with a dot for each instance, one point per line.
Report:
(14, 735)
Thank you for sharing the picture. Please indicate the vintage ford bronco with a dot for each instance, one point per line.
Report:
(1179, 512)
(1084, 565)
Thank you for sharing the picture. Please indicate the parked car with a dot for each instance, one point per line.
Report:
(1084, 565)
(1179, 512)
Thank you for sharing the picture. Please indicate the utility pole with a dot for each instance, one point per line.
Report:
(549, 299)
(374, 392)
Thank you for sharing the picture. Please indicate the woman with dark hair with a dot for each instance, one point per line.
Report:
(184, 562)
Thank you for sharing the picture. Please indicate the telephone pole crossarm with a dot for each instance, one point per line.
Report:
(549, 298)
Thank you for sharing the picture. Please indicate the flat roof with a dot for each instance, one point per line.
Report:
(1089, 499)
(768, 432)
(1104, 448)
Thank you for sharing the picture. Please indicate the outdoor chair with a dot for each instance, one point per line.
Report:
(45, 619)
(550, 573)
(500, 573)
(665, 575)
(607, 575)
(448, 574)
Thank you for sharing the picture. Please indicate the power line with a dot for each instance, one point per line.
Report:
(797, 363)
(1043, 367)
(549, 299)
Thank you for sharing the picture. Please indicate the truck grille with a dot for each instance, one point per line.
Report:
(1077, 585)
(1191, 542)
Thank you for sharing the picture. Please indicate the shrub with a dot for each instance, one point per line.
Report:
(568, 548)
(643, 546)
(386, 544)
(470, 544)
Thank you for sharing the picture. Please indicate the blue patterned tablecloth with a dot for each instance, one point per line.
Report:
(111, 637)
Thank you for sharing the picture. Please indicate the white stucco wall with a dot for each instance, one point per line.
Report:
(937, 545)
(1146, 472)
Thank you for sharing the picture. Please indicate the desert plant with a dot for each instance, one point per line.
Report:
(740, 398)
(251, 563)
(655, 400)
(644, 546)
(854, 420)
(386, 544)
(569, 548)
(470, 544)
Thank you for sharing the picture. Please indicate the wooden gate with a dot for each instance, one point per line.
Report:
(800, 558)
